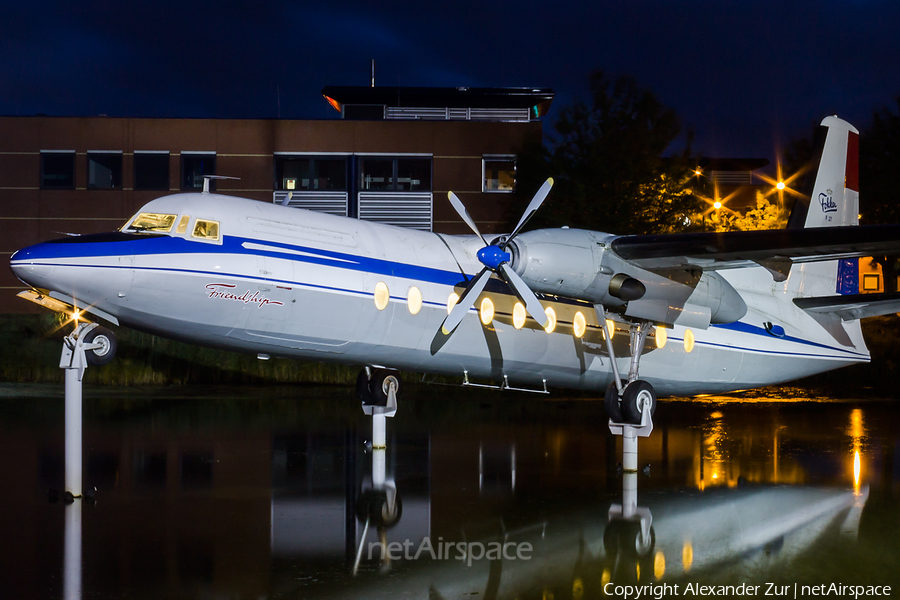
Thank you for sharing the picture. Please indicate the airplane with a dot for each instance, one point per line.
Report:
(639, 316)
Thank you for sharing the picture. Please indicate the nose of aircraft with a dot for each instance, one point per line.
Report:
(22, 265)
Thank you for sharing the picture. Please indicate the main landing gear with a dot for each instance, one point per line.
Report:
(627, 402)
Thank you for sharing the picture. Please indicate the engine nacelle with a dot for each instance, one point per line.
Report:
(577, 263)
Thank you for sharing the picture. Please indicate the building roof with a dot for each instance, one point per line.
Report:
(538, 99)
(732, 164)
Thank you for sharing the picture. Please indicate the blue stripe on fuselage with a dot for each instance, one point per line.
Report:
(162, 245)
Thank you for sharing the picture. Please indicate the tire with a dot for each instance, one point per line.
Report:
(611, 403)
(379, 385)
(623, 538)
(362, 388)
(636, 396)
(107, 351)
(373, 506)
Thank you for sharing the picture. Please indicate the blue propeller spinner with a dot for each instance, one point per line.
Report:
(496, 259)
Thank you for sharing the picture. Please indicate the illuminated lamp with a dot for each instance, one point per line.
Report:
(451, 301)
(551, 319)
(579, 324)
(382, 295)
(717, 205)
(780, 185)
(518, 315)
(661, 337)
(688, 340)
(414, 300)
(487, 311)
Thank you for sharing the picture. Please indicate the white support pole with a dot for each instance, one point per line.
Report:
(73, 460)
(629, 450)
(74, 362)
(72, 553)
(379, 431)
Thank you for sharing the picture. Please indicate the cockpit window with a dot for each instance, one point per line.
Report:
(155, 222)
(182, 224)
(206, 230)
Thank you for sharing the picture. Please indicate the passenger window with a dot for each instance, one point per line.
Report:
(206, 230)
(182, 224)
(156, 222)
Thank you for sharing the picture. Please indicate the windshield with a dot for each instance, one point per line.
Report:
(155, 222)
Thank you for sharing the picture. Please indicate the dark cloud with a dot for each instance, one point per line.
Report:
(744, 76)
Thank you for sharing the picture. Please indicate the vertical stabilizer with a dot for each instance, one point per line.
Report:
(830, 199)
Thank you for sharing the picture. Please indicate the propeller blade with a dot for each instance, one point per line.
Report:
(532, 304)
(464, 214)
(466, 301)
(532, 208)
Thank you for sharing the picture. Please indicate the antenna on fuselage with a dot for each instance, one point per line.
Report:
(207, 178)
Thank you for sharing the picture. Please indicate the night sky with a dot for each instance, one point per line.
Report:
(745, 76)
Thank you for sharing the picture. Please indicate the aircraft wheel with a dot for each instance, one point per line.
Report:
(637, 397)
(625, 537)
(611, 403)
(362, 388)
(373, 505)
(107, 350)
(380, 385)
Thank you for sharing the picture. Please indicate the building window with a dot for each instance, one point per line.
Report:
(57, 170)
(309, 173)
(395, 174)
(104, 170)
(151, 170)
(194, 165)
(499, 174)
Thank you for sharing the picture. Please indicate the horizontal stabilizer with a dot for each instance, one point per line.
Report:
(740, 249)
(853, 306)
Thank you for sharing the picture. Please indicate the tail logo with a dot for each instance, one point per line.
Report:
(826, 201)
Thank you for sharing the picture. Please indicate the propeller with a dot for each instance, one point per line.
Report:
(496, 259)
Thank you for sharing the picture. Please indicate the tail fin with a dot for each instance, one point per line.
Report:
(830, 199)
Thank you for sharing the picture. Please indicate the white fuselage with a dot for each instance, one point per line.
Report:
(287, 282)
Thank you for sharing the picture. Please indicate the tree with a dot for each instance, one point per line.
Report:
(607, 162)
(879, 159)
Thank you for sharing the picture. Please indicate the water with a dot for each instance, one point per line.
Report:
(273, 493)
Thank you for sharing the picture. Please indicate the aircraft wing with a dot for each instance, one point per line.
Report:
(775, 249)
(852, 306)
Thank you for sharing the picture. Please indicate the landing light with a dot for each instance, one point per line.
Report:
(688, 340)
(382, 295)
(518, 315)
(579, 324)
(780, 185)
(717, 205)
(487, 311)
(551, 319)
(414, 300)
(661, 337)
(451, 301)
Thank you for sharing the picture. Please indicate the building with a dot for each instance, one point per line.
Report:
(391, 157)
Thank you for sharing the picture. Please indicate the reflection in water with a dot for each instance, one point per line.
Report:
(269, 497)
